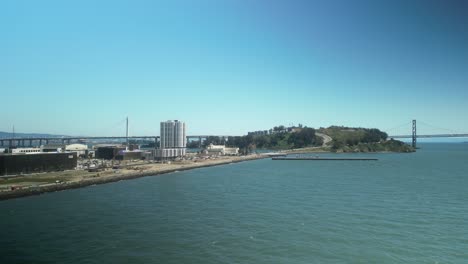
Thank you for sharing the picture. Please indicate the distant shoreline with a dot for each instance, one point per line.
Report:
(6, 195)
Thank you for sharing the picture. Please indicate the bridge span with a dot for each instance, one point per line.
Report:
(28, 141)
(430, 136)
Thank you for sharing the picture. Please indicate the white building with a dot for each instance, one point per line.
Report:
(173, 140)
(80, 149)
(222, 150)
(26, 150)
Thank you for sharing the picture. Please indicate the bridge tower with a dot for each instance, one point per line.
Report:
(414, 133)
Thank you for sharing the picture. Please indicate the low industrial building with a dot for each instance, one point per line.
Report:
(129, 155)
(53, 148)
(13, 164)
(147, 155)
(108, 151)
(221, 150)
(80, 149)
(25, 150)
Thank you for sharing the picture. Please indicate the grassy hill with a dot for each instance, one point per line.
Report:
(352, 139)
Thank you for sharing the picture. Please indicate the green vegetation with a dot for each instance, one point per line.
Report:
(348, 139)
(345, 139)
(193, 144)
(279, 139)
(18, 180)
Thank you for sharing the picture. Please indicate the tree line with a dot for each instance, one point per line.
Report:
(304, 137)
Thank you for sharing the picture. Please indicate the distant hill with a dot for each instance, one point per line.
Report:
(19, 135)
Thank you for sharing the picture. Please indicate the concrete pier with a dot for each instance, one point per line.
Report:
(317, 158)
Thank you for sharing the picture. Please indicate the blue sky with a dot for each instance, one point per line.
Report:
(228, 67)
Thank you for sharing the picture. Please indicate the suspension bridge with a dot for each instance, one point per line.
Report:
(434, 132)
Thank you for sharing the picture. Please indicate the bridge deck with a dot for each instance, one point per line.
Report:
(103, 137)
(430, 136)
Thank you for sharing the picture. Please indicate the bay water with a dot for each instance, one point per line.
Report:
(403, 208)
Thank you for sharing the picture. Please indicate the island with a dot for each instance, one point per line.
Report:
(306, 139)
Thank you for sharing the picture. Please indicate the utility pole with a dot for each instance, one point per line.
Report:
(13, 137)
(127, 133)
(414, 133)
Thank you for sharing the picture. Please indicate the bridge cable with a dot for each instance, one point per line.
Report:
(397, 127)
(444, 129)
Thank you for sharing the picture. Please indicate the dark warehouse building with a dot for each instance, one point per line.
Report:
(11, 164)
(108, 152)
(129, 155)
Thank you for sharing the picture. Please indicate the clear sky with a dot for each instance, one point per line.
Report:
(228, 67)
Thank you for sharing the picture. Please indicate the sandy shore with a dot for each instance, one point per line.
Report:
(55, 181)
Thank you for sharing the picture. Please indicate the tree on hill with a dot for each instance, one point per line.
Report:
(374, 135)
(303, 138)
(280, 128)
(213, 140)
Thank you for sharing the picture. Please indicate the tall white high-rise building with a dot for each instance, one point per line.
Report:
(173, 134)
(173, 139)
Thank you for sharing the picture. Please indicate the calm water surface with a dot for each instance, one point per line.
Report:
(404, 208)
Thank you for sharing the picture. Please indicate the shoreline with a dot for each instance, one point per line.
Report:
(24, 192)
(67, 180)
